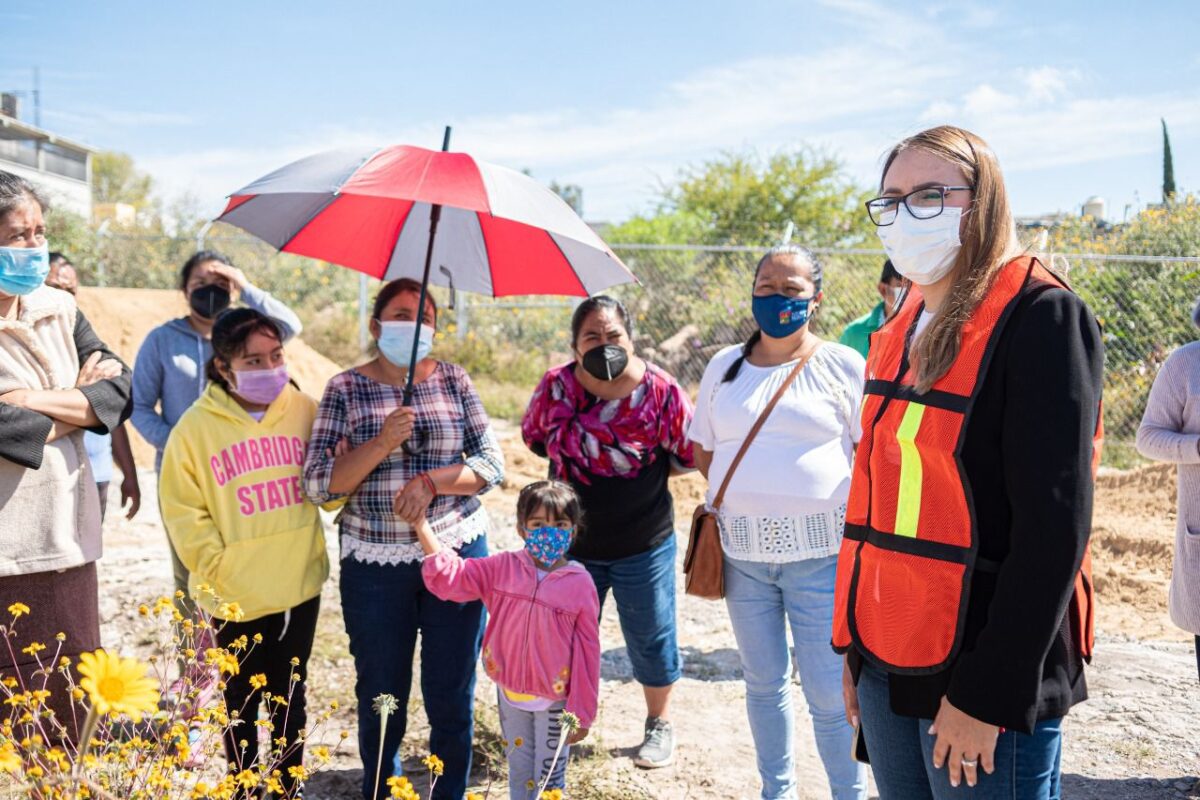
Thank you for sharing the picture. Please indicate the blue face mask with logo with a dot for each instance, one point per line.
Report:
(23, 269)
(779, 316)
(396, 341)
(546, 544)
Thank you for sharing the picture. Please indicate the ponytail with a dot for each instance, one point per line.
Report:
(736, 366)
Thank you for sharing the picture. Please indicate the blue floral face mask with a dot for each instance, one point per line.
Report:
(546, 544)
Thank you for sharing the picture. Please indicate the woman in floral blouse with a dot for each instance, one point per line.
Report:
(615, 428)
(356, 451)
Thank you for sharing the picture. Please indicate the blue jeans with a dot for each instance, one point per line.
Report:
(644, 588)
(901, 751)
(384, 607)
(764, 600)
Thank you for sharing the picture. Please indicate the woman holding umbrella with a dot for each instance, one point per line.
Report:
(357, 450)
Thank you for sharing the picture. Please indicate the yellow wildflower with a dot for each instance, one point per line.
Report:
(298, 773)
(258, 681)
(118, 685)
(33, 649)
(18, 610)
(10, 761)
(434, 764)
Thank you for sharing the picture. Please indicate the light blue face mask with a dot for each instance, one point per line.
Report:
(396, 341)
(23, 269)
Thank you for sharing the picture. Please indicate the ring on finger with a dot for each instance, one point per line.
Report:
(972, 763)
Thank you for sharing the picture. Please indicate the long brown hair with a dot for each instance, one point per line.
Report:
(988, 242)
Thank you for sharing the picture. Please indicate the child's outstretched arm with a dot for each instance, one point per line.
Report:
(429, 542)
(450, 576)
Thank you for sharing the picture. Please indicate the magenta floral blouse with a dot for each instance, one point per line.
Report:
(616, 453)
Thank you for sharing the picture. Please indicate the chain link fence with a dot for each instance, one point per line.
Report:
(691, 302)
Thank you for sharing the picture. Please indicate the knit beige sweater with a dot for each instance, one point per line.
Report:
(1170, 431)
(49, 517)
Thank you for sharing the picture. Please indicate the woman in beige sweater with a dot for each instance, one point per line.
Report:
(57, 379)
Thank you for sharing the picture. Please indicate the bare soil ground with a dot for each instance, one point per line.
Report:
(1134, 739)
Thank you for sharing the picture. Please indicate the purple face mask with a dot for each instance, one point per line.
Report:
(260, 386)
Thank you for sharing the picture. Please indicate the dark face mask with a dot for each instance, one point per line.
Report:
(605, 362)
(209, 301)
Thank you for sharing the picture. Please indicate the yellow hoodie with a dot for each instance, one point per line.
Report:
(233, 506)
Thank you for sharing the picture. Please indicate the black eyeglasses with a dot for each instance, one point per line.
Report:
(924, 203)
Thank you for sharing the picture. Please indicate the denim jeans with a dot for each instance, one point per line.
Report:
(1028, 767)
(764, 600)
(644, 588)
(384, 607)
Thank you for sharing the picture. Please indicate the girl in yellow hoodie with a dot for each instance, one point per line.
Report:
(233, 507)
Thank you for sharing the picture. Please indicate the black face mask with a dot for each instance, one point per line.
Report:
(605, 362)
(209, 301)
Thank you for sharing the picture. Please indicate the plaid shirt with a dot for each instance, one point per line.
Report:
(456, 429)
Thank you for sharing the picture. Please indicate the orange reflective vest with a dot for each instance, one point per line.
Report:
(911, 543)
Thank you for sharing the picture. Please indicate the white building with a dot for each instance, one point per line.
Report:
(59, 167)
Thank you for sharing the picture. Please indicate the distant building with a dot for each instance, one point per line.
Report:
(61, 168)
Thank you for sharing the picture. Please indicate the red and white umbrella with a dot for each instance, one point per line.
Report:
(395, 212)
(500, 232)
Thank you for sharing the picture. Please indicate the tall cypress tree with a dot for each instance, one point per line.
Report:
(1168, 187)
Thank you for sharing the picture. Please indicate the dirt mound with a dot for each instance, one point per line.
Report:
(123, 318)
(1133, 541)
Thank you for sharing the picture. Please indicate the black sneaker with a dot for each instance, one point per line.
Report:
(658, 748)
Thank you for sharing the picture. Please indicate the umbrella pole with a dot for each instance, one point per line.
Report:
(415, 446)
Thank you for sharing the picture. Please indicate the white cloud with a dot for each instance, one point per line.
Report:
(894, 73)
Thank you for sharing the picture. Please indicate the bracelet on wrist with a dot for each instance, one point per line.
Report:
(429, 484)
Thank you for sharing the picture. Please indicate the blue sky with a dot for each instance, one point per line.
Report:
(618, 96)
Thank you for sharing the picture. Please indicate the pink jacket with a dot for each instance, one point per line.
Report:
(542, 638)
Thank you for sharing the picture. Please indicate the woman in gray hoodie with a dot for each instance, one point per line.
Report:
(168, 376)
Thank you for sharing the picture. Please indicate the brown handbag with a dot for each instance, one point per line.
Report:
(704, 564)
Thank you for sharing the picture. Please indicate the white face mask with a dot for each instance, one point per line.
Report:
(922, 250)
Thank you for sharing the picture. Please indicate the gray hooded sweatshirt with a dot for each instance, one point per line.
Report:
(170, 368)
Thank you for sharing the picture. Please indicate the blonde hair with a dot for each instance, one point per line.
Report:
(989, 241)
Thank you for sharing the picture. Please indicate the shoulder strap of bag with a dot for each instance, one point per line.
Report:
(758, 423)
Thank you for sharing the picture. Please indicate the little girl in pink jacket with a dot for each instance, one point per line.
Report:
(542, 644)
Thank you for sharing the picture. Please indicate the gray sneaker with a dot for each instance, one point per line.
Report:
(658, 748)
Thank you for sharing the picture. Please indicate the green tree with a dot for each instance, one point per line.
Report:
(744, 198)
(1168, 188)
(116, 179)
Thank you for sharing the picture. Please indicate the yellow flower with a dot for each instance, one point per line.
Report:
(552, 794)
(247, 779)
(9, 760)
(118, 685)
(222, 660)
(33, 649)
(474, 796)
(434, 764)
(258, 681)
(18, 610)
(230, 611)
(298, 773)
(518, 742)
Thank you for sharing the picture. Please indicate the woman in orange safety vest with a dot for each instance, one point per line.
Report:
(963, 599)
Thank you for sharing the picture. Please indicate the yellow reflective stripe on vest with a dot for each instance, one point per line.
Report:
(908, 504)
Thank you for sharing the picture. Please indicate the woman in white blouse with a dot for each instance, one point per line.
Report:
(783, 513)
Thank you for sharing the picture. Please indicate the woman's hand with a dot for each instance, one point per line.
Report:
(412, 501)
(94, 370)
(963, 743)
(850, 695)
(131, 495)
(578, 735)
(237, 279)
(397, 428)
